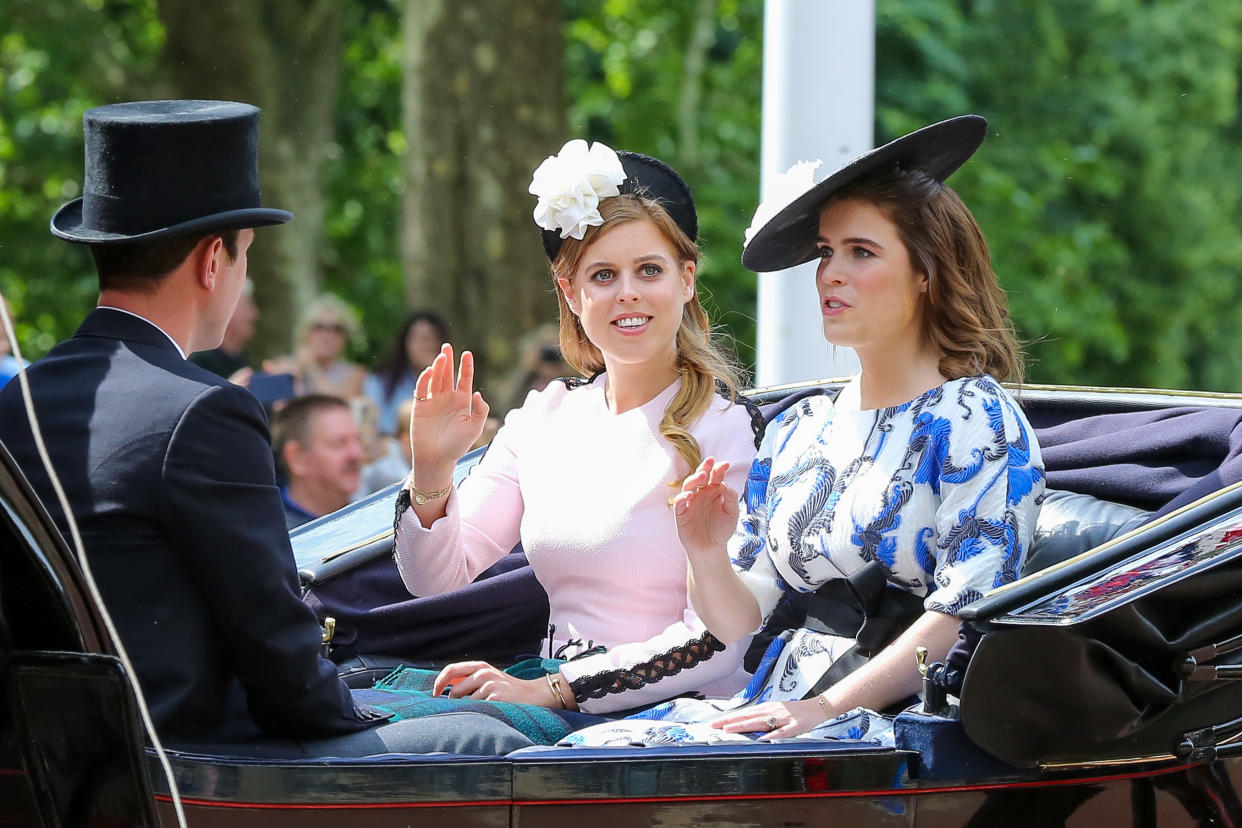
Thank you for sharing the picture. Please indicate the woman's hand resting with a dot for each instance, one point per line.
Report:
(447, 417)
(480, 680)
(775, 720)
(706, 509)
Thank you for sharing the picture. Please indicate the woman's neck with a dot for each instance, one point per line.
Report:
(894, 375)
(631, 386)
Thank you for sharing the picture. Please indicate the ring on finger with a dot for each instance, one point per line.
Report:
(422, 399)
(770, 721)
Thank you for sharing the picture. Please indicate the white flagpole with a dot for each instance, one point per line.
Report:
(818, 103)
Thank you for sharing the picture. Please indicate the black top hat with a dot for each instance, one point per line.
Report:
(788, 238)
(158, 169)
(651, 178)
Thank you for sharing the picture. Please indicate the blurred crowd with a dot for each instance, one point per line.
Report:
(340, 430)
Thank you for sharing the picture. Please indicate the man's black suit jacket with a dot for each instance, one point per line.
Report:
(168, 470)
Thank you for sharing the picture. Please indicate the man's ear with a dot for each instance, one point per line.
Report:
(208, 257)
(567, 290)
(291, 457)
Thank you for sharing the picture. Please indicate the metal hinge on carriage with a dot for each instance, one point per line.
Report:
(329, 630)
(1208, 744)
(1195, 666)
(935, 696)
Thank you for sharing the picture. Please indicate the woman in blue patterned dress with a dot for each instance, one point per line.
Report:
(923, 463)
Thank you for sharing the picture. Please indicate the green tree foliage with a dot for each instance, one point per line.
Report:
(57, 59)
(631, 64)
(1105, 186)
(362, 260)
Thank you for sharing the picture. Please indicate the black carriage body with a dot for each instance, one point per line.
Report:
(53, 639)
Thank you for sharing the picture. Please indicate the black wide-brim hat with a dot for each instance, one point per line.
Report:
(159, 169)
(789, 238)
(651, 178)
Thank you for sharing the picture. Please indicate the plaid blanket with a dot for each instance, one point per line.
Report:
(406, 694)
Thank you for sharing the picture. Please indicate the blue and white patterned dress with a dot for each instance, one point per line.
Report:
(943, 491)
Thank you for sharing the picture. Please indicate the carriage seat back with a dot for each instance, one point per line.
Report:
(1070, 523)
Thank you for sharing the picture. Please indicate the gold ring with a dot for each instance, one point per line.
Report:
(770, 721)
(421, 399)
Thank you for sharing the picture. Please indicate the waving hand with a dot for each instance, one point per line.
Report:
(446, 420)
(706, 510)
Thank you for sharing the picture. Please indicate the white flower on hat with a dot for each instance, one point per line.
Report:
(785, 187)
(570, 185)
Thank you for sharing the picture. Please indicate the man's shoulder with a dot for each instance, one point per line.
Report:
(86, 377)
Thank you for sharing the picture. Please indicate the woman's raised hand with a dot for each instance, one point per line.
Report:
(447, 416)
(706, 509)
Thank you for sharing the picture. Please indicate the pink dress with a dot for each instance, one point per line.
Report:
(586, 492)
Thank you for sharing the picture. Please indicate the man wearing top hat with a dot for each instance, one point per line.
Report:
(167, 467)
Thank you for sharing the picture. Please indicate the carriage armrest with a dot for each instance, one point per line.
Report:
(1070, 523)
(1220, 510)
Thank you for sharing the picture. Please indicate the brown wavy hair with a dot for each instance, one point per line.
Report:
(966, 315)
(700, 363)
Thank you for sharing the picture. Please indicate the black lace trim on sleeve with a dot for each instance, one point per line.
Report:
(403, 503)
(671, 663)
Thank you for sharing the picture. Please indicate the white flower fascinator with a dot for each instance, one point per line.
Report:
(785, 188)
(570, 185)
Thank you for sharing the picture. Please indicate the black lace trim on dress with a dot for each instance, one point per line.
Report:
(575, 382)
(757, 421)
(662, 666)
(403, 503)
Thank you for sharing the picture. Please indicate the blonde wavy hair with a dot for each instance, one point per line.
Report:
(701, 365)
(966, 314)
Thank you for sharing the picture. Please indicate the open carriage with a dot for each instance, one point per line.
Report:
(1101, 691)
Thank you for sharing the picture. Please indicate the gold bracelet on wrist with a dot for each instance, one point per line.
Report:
(554, 684)
(420, 497)
(823, 703)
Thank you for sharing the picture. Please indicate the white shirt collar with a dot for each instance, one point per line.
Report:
(152, 324)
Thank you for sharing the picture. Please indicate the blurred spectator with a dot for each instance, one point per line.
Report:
(366, 415)
(395, 464)
(539, 363)
(9, 364)
(227, 360)
(318, 364)
(392, 382)
(319, 451)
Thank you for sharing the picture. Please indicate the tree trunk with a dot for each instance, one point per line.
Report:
(484, 104)
(284, 57)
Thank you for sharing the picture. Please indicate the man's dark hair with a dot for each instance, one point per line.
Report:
(142, 265)
(292, 423)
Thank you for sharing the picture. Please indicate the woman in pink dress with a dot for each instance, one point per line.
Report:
(584, 472)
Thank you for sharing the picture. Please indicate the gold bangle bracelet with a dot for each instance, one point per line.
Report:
(554, 684)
